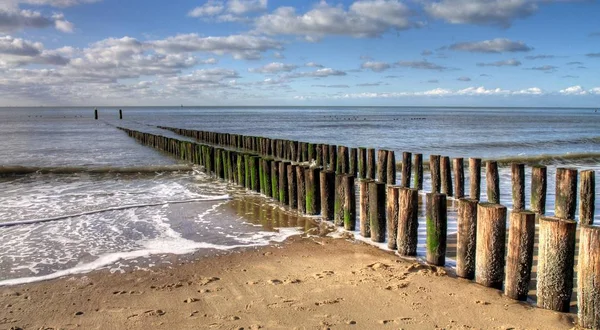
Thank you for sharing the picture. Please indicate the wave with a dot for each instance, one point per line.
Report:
(115, 208)
(22, 170)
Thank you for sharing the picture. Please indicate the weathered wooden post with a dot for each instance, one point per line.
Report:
(446, 176)
(392, 214)
(313, 198)
(492, 180)
(254, 179)
(518, 186)
(332, 156)
(538, 189)
(391, 168)
(301, 180)
(419, 171)
(349, 202)
(459, 177)
(292, 186)
(283, 183)
(491, 245)
(437, 227)
(275, 177)
(319, 155)
(382, 165)
(521, 236)
(466, 238)
(96, 114)
(587, 195)
(566, 193)
(406, 169)
(327, 185)
(342, 160)
(556, 256)
(588, 277)
(475, 178)
(362, 163)
(408, 222)
(352, 169)
(120, 114)
(377, 211)
(268, 186)
(241, 167)
(370, 164)
(364, 217)
(338, 207)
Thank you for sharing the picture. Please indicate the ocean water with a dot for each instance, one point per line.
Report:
(116, 219)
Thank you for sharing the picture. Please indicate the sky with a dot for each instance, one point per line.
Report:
(300, 53)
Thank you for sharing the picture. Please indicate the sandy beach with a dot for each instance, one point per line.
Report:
(302, 283)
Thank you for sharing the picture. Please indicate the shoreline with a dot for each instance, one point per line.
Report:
(304, 282)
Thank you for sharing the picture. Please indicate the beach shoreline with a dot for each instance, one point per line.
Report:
(304, 282)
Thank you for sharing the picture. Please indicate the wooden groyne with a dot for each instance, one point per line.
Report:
(320, 179)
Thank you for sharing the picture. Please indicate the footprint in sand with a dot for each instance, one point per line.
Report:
(323, 274)
(329, 302)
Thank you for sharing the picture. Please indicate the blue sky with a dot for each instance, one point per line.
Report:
(261, 52)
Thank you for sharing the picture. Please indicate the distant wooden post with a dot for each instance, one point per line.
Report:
(255, 184)
(437, 227)
(313, 198)
(521, 236)
(292, 186)
(301, 181)
(377, 211)
(362, 163)
(382, 166)
(566, 193)
(338, 205)
(268, 186)
(587, 197)
(556, 256)
(538, 189)
(491, 245)
(434, 169)
(120, 114)
(492, 179)
(332, 157)
(343, 161)
(391, 168)
(418, 171)
(475, 178)
(518, 186)
(365, 218)
(327, 185)
(393, 211)
(406, 169)
(446, 176)
(370, 164)
(283, 183)
(466, 238)
(275, 177)
(408, 222)
(459, 177)
(349, 202)
(588, 275)
(96, 114)
(352, 170)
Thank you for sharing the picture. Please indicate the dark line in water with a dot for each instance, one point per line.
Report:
(22, 170)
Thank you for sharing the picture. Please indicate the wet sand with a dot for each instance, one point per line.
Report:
(304, 283)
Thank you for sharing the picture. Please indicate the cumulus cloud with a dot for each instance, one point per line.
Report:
(573, 90)
(442, 92)
(511, 62)
(210, 8)
(57, 3)
(498, 45)
(364, 18)
(274, 67)
(16, 52)
(229, 11)
(241, 7)
(376, 66)
(319, 73)
(424, 65)
(12, 20)
(313, 65)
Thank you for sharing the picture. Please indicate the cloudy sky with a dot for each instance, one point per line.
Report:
(300, 52)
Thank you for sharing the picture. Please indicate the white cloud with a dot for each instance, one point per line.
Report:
(229, 11)
(210, 8)
(511, 62)
(365, 18)
(498, 45)
(313, 65)
(16, 52)
(274, 67)
(424, 65)
(57, 3)
(482, 12)
(443, 92)
(240, 7)
(319, 73)
(376, 66)
(574, 90)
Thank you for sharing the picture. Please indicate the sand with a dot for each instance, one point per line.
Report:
(303, 283)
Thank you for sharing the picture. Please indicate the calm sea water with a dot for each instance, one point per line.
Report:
(104, 220)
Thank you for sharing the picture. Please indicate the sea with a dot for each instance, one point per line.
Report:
(77, 194)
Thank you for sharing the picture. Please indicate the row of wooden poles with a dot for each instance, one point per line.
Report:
(320, 179)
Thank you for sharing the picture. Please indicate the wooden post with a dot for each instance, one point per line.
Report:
(408, 222)
(325, 154)
(365, 218)
(275, 177)
(391, 168)
(96, 114)
(268, 186)
(254, 179)
(566, 193)
(377, 211)
(313, 199)
(521, 236)
(446, 176)
(283, 183)
(538, 189)
(301, 181)
(491, 245)
(332, 156)
(120, 114)
(382, 166)
(406, 167)
(587, 195)
(352, 169)
(292, 186)
(362, 163)
(338, 205)
(556, 256)
(466, 238)
(343, 162)
(393, 212)
(349, 202)
(319, 155)
(518, 186)
(419, 171)
(327, 185)
(492, 179)
(459, 177)
(434, 169)
(588, 277)
(437, 224)
(370, 164)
